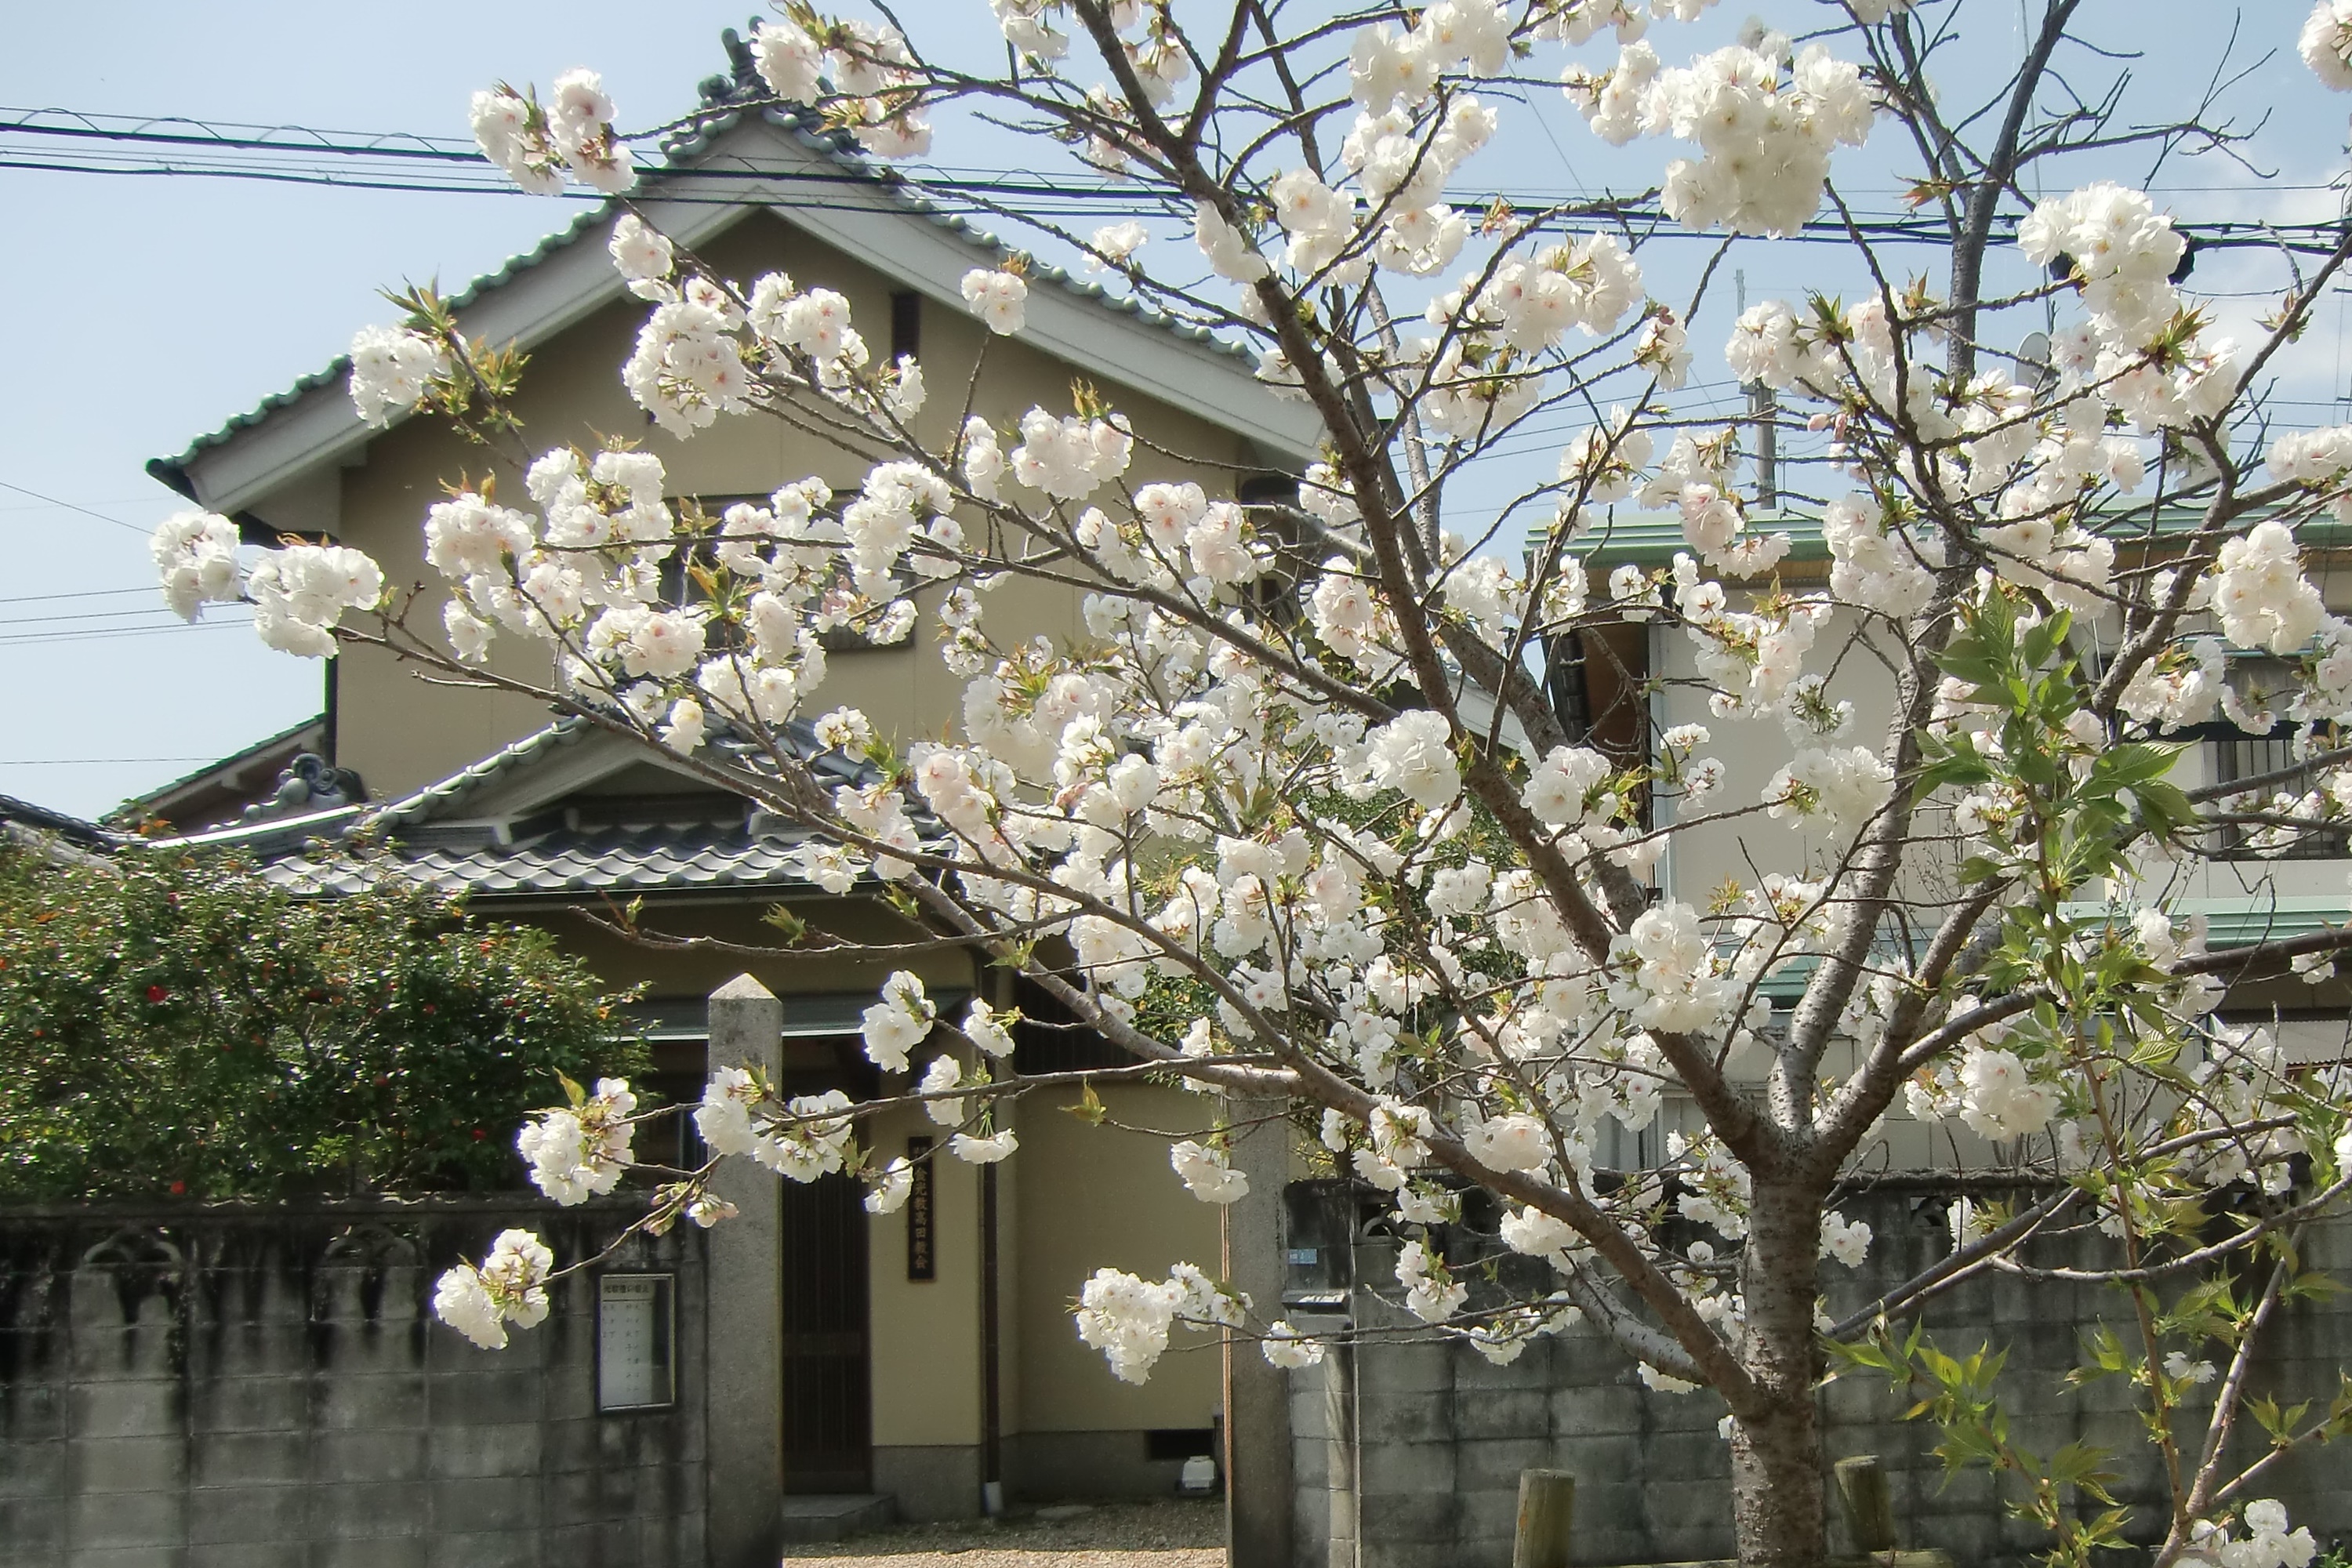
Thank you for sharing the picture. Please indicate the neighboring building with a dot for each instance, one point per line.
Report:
(261, 779)
(1629, 682)
(51, 833)
(908, 1386)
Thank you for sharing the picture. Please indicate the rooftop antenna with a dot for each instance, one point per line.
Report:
(2340, 292)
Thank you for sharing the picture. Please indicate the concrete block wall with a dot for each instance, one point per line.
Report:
(1408, 1451)
(265, 1386)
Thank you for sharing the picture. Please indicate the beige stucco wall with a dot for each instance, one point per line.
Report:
(401, 734)
(1074, 1199)
(926, 1334)
(1103, 1197)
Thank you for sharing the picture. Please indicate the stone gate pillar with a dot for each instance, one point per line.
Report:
(743, 1396)
(1258, 1396)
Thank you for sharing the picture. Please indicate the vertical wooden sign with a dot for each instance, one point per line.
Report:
(922, 1253)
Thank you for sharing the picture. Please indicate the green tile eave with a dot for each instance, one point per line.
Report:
(1655, 538)
(2229, 922)
(2240, 921)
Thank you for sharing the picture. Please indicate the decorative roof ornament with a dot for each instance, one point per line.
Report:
(309, 783)
(741, 81)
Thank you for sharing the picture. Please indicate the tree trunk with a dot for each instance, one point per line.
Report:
(1776, 1486)
(1776, 1453)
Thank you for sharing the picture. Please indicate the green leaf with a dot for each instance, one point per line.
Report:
(2083, 1467)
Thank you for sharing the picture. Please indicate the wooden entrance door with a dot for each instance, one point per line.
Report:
(828, 1396)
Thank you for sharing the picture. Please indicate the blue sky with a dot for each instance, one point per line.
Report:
(136, 311)
(139, 312)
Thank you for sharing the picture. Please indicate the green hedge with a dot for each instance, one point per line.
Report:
(171, 1024)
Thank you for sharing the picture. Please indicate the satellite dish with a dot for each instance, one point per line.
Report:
(2033, 360)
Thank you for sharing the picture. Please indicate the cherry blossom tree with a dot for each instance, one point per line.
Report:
(1303, 783)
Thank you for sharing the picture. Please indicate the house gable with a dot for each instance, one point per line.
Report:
(754, 190)
(264, 465)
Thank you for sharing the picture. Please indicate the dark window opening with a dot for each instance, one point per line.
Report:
(1177, 1443)
(1050, 1039)
(1598, 679)
(2237, 755)
(673, 1140)
(828, 1433)
(1271, 503)
(906, 325)
(1268, 489)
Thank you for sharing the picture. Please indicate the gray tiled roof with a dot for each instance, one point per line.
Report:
(429, 837)
(14, 812)
(669, 858)
(436, 800)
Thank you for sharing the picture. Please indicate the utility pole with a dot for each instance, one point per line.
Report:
(1765, 410)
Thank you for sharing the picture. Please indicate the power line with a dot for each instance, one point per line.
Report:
(70, 506)
(217, 147)
(7, 641)
(109, 500)
(77, 123)
(94, 761)
(86, 617)
(242, 136)
(2313, 239)
(81, 593)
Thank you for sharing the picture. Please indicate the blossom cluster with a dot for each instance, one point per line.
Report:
(899, 1023)
(999, 298)
(1128, 1318)
(2325, 43)
(2267, 1543)
(862, 70)
(1990, 1089)
(391, 370)
(571, 134)
(1766, 123)
(583, 1149)
(1206, 1173)
(2122, 253)
(195, 557)
(1668, 977)
(300, 593)
(810, 1139)
(509, 1287)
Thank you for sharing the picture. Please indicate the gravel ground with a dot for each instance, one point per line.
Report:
(1112, 1535)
